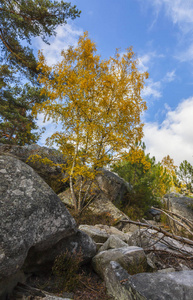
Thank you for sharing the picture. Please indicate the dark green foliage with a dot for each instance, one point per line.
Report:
(16, 123)
(185, 175)
(147, 186)
(20, 21)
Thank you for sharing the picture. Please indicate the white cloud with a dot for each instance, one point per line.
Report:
(174, 136)
(186, 55)
(180, 11)
(152, 90)
(65, 36)
(170, 76)
(144, 61)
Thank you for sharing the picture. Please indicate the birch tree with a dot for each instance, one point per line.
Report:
(99, 104)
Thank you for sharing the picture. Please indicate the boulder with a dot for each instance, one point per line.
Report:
(111, 230)
(113, 242)
(113, 186)
(53, 175)
(103, 202)
(146, 286)
(154, 214)
(104, 205)
(151, 239)
(132, 259)
(32, 217)
(95, 233)
(180, 205)
(100, 233)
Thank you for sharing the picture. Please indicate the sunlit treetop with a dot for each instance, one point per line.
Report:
(98, 103)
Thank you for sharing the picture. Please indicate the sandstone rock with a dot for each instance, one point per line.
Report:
(180, 204)
(113, 186)
(95, 233)
(146, 286)
(151, 239)
(103, 205)
(51, 174)
(111, 230)
(66, 198)
(32, 217)
(113, 242)
(100, 233)
(132, 259)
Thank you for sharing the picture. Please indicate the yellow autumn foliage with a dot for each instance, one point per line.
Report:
(98, 103)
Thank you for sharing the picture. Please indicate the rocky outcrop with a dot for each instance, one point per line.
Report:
(109, 188)
(146, 286)
(99, 206)
(33, 220)
(180, 205)
(50, 173)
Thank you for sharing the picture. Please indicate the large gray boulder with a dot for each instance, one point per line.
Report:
(133, 259)
(32, 217)
(148, 286)
(52, 174)
(113, 186)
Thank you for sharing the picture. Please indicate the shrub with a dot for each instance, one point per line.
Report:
(65, 270)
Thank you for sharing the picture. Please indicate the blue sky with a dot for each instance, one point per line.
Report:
(161, 33)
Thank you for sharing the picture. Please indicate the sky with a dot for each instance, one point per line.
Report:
(161, 33)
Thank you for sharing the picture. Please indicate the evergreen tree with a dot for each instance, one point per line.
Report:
(20, 21)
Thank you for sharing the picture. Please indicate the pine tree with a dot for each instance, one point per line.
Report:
(20, 21)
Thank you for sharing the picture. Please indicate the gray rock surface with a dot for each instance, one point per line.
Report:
(148, 286)
(99, 236)
(32, 217)
(110, 188)
(180, 204)
(111, 230)
(100, 233)
(113, 186)
(132, 259)
(51, 174)
(151, 239)
(113, 242)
